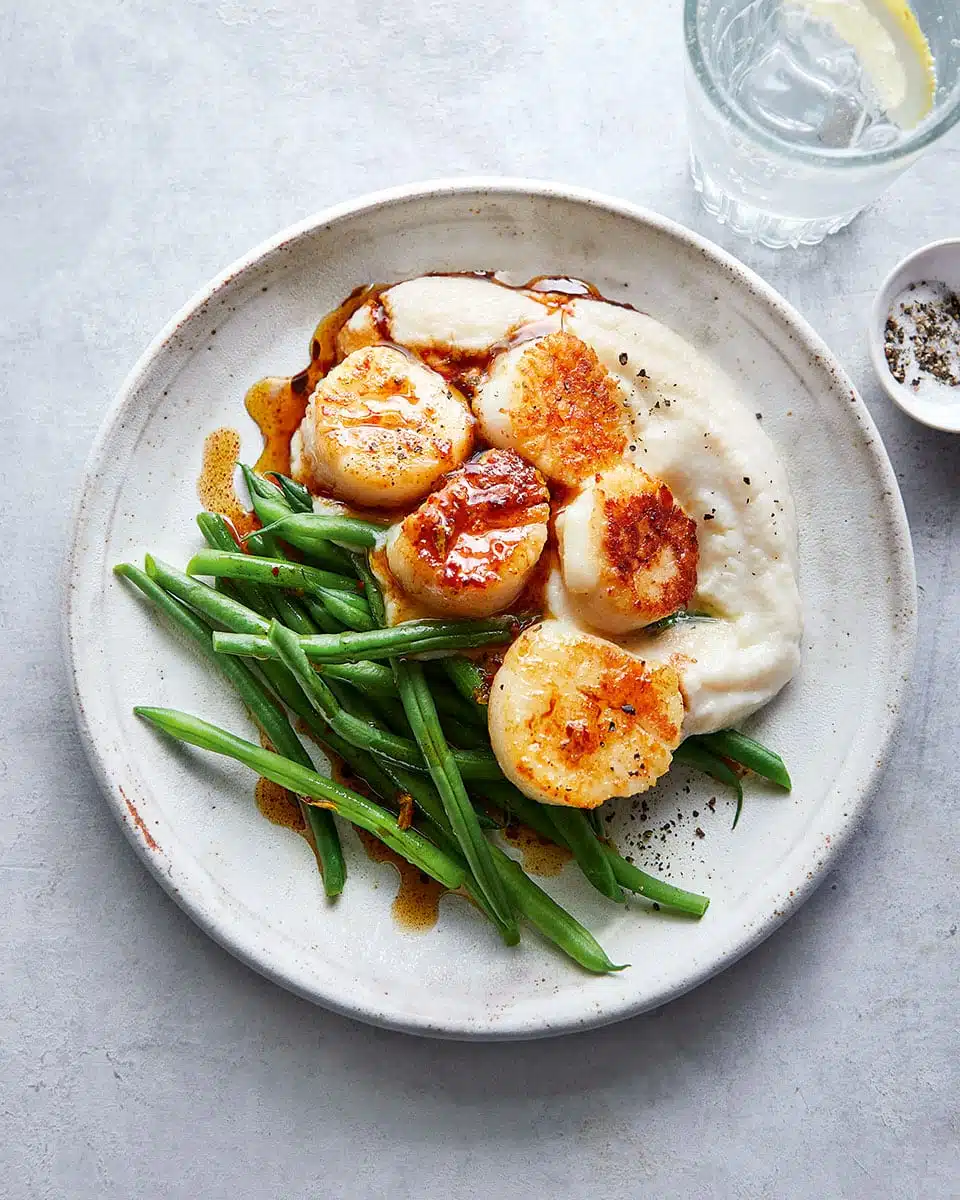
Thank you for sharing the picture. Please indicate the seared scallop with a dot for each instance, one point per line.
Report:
(470, 548)
(380, 430)
(459, 313)
(575, 720)
(552, 401)
(628, 551)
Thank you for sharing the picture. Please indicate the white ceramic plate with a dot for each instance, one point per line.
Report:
(253, 887)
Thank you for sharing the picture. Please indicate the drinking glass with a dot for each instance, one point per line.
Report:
(790, 134)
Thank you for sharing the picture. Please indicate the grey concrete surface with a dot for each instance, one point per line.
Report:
(146, 144)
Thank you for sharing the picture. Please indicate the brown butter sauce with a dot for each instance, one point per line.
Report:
(538, 856)
(279, 806)
(416, 906)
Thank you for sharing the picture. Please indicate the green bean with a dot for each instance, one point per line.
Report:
(354, 730)
(204, 599)
(537, 817)
(426, 798)
(373, 679)
(363, 764)
(300, 501)
(409, 637)
(420, 788)
(266, 493)
(422, 715)
(295, 494)
(371, 588)
(317, 553)
(575, 830)
(461, 735)
(324, 621)
(730, 743)
(477, 764)
(449, 700)
(262, 709)
(328, 557)
(305, 528)
(223, 609)
(258, 603)
(657, 891)
(693, 754)
(259, 545)
(385, 712)
(303, 615)
(308, 783)
(217, 607)
(217, 534)
(289, 610)
(470, 681)
(270, 503)
(352, 702)
(554, 922)
(294, 615)
(352, 611)
(423, 793)
(216, 531)
(269, 571)
(325, 555)
(357, 706)
(392, 713)
(566, 827)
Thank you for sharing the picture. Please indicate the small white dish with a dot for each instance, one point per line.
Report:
(933, 404)
(251, 886)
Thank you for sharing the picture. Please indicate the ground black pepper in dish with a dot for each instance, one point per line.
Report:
(921, 336)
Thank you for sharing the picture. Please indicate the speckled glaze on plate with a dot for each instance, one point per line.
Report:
(252, 886)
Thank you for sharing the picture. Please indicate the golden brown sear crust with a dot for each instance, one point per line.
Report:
(620, 698)
(571, 419)
(574, 719)
(650, 546)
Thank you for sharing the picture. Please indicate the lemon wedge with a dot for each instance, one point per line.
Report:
(891, 47)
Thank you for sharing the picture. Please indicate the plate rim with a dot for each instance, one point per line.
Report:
(903, 586)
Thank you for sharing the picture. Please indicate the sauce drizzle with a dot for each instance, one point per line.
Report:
(416, 907)
(539, 857)
(215, 487)
(279, 806)
(277, 407)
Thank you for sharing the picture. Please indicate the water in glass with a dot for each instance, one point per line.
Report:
(802, 111)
